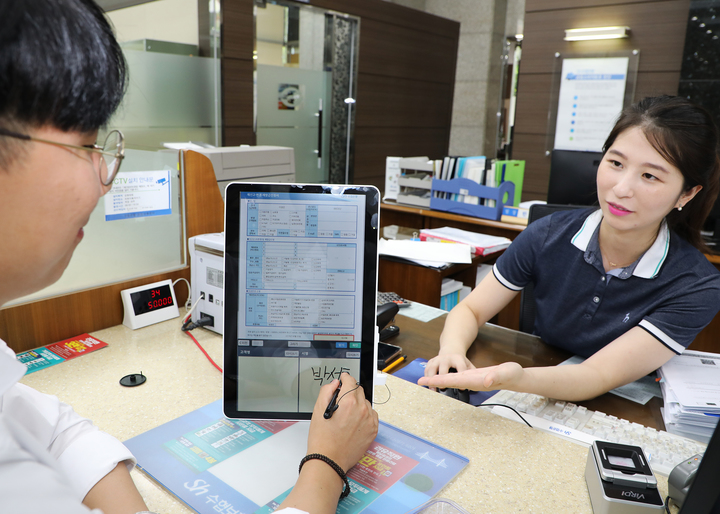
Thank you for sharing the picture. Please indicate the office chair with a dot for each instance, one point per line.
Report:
(527, 297)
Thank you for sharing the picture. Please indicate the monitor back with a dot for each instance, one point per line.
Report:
(572, 177)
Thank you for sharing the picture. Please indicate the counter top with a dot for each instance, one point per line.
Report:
(512, 468)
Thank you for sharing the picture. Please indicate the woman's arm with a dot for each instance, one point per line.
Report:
(464, 321)
(631, 356)
(343, 438)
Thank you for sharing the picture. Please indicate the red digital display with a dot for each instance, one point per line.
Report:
(152, 299)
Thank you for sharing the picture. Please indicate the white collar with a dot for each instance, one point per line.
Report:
(650, 262)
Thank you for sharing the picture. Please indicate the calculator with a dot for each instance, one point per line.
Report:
(383, 298)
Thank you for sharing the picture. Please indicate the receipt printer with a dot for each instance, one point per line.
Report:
(620, 480)
(207, 254)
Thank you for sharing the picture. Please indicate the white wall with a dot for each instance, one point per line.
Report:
(165, 20)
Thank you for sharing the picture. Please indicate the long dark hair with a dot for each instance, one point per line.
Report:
(686, 136)
(60, 65)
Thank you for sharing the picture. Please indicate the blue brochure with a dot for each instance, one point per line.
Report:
(233, 466)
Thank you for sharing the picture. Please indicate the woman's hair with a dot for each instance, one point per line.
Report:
(60, 65)
(686, 136)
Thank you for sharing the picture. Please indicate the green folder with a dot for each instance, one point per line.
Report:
(514, 171)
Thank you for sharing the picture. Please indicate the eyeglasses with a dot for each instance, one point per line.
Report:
(112, 151)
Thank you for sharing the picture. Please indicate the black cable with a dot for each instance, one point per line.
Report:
(202, 322)
(667, 504)
(348, 392)
(388, 398)
(507, 407)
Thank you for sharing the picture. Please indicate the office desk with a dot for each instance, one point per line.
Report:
(512, 468)
(420, 284)
(495, 345)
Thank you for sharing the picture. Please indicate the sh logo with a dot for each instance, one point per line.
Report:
(201, 486)
(626, 318)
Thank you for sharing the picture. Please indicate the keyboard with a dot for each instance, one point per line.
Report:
(582, 426)
(383, 298)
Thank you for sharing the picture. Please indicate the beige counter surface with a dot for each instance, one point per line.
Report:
(512, 468)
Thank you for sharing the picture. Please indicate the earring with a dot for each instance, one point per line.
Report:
(680, 208)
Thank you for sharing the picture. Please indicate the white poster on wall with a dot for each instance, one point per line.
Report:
(139, 194)
(591, 98)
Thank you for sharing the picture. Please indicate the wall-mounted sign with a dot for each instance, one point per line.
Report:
(138, 194)
(289, 97)
(592, 91)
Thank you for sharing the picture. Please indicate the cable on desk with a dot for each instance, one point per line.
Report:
(189, 297)
(667, 504)
(189, 313)
(188, 325)
(507, 407)
(388, 398)
(203, 350)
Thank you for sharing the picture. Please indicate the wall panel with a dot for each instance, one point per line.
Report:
(237, 92)
(657, 29)
(386, 101)
(379, 142)
(238, 41)
(395, 51)
(534, 102)
(238, 30)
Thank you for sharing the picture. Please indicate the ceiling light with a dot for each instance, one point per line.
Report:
(596, 33)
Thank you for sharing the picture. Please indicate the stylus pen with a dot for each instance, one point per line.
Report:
(332, 407)
(394, 364)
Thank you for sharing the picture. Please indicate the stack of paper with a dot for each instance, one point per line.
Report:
(691, 390)
(434, 255)
(482, 244)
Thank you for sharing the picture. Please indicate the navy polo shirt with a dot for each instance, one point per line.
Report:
(672, 291)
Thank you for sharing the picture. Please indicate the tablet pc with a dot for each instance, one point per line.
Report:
(300, 294)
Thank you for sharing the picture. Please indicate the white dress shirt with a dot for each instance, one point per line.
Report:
(48, 453)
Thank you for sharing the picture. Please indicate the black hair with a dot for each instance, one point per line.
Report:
(686, 136)
(60, 65)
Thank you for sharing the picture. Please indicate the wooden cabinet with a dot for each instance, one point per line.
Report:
(421, 284)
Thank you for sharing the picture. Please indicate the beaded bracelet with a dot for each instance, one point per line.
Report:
(332, 464)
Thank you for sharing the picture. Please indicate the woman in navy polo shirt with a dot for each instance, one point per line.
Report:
(625, 285)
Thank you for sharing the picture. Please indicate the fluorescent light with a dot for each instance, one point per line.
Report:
(596, 33)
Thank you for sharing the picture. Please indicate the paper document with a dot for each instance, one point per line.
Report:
(695, 379)
(420, 250)
(421, 312)
(481, 244)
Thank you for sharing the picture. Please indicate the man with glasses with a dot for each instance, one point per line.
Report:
(106, 158)
(62, 75)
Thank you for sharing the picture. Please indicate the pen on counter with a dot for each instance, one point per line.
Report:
(332, 406)
(394, 364)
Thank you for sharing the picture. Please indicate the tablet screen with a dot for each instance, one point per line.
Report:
(300, 287)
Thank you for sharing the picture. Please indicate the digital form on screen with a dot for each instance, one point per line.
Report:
(300, 296)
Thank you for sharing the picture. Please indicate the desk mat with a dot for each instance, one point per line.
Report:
(233, 466)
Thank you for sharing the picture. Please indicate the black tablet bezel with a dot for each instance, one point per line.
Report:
(232, 256)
